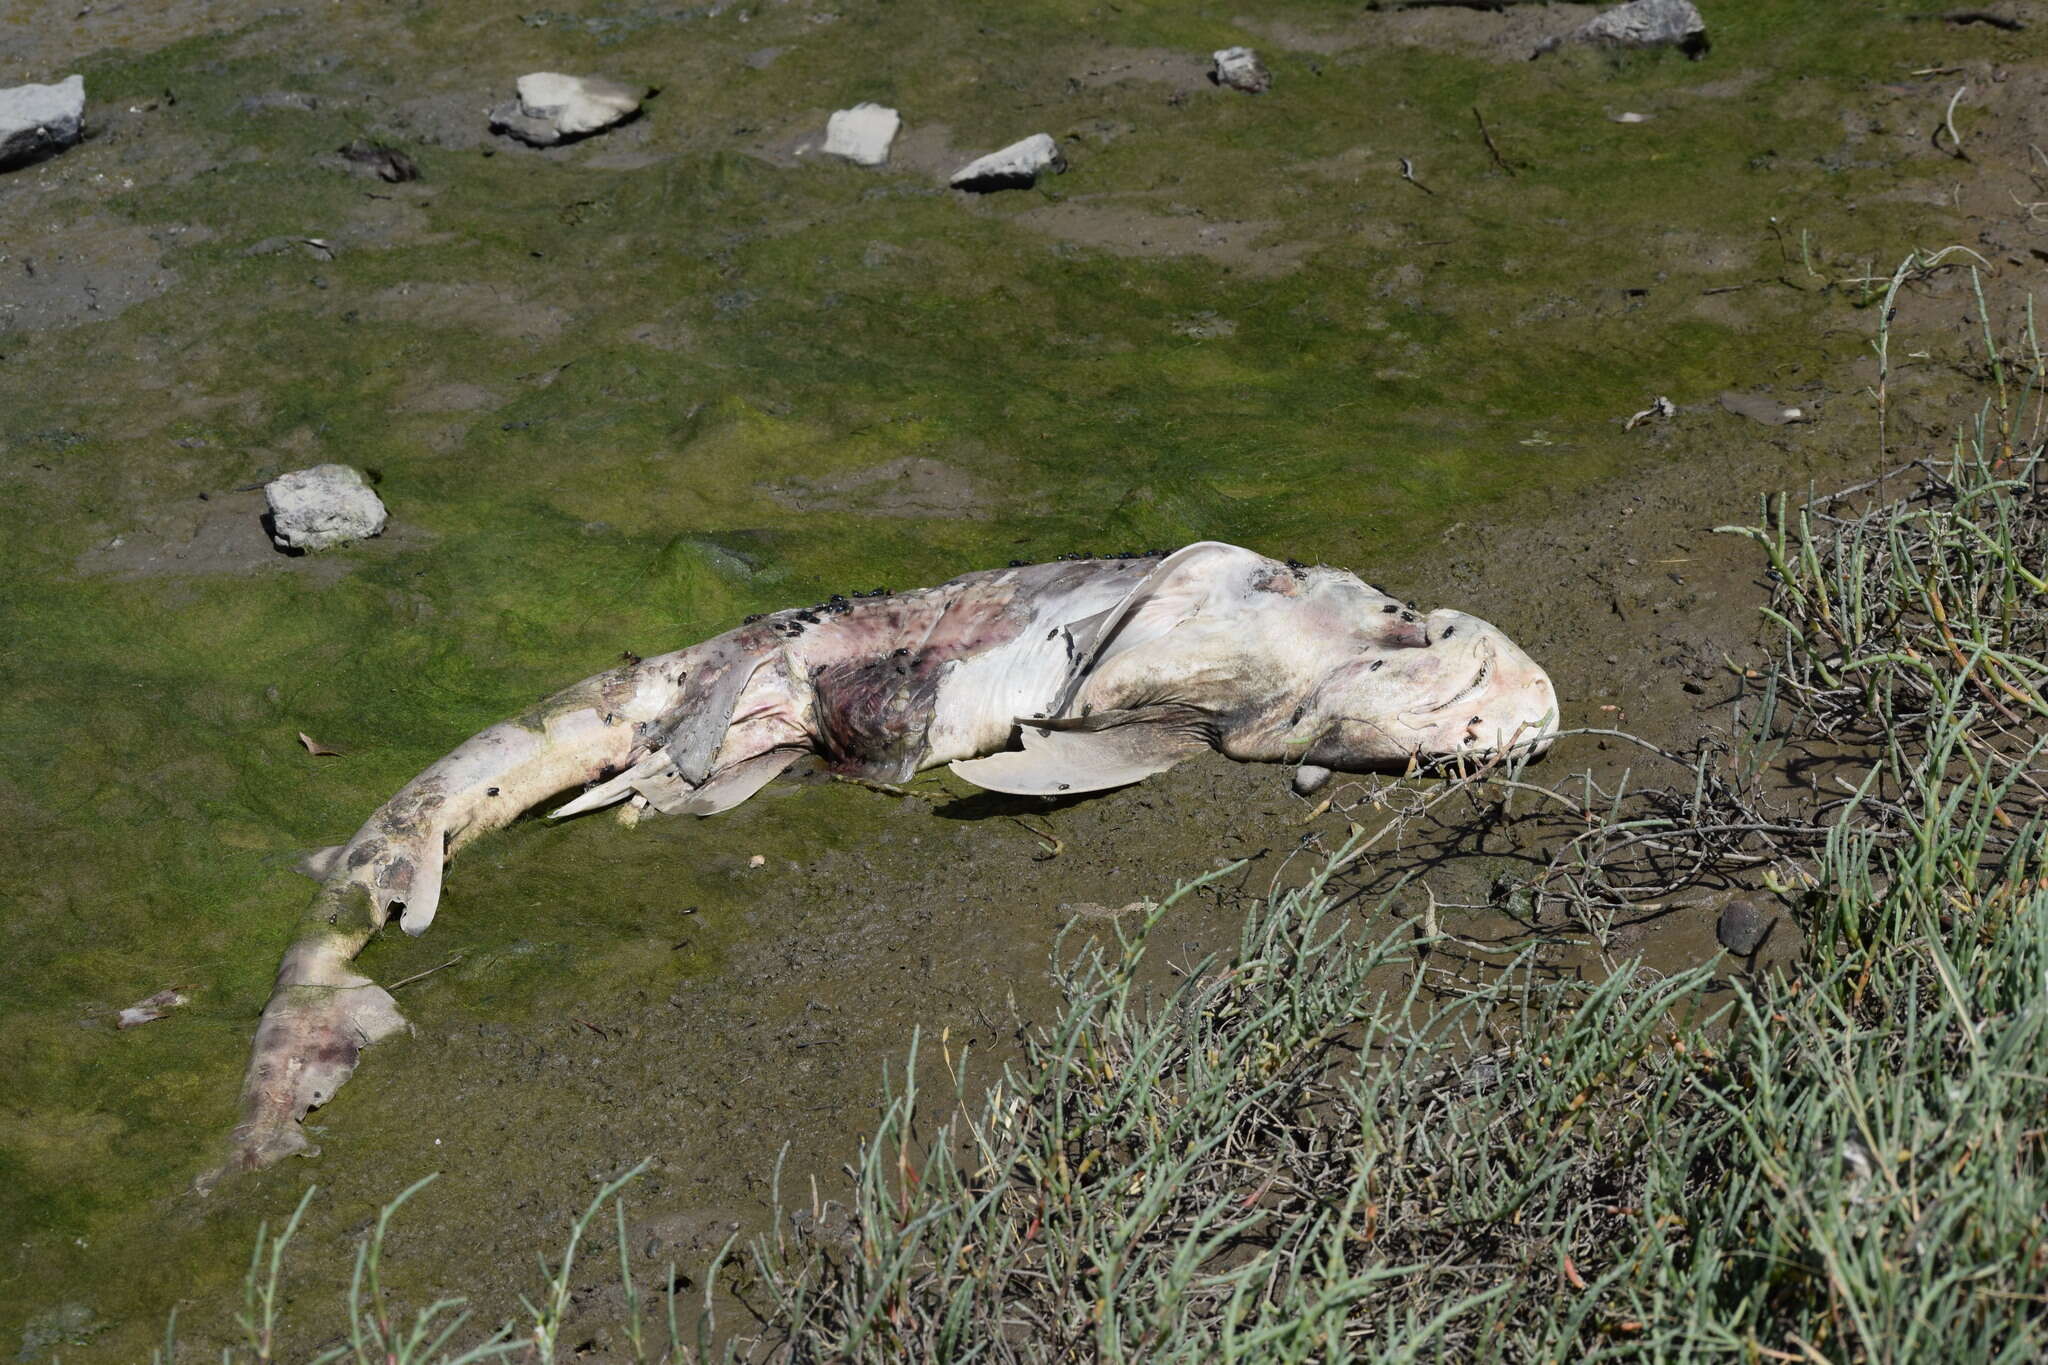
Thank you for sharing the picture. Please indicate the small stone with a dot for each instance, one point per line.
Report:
(40, 120)
(1642, 23)
(1240, 69)
(1015, 167)
(553, 108)
(757, 861)
(1743, 925)
(862, 134)
(1096, 910)
(1649, 23)
(327, 505)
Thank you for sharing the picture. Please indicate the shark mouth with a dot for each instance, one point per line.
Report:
(1464, 693)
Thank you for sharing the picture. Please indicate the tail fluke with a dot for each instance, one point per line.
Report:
(321, 1014)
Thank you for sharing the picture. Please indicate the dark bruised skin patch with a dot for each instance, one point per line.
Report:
(1283, 580)
(874, 718)
(876, 669)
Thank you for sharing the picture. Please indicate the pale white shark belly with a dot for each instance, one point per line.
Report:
(983, 697)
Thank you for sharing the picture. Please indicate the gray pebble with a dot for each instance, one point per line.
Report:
(1743, 926)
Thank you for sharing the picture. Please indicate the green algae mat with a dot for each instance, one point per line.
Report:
(619, 394)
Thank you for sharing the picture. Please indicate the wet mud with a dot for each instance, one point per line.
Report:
(623, 393)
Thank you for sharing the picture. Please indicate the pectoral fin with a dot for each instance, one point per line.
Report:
(1086, 632)
(1112, 750)
(1161, 600)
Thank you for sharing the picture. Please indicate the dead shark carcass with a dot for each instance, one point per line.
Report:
(1053, 678)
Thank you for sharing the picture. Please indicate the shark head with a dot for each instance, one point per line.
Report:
(1411, 689)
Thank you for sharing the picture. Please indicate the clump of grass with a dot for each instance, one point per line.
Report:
(1279, 1160)
(377, 1335)
(1334, 1142)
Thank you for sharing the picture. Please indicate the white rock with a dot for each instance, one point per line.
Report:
(1240, 69)
(554, 108)
(1648, 23)
(36, 120)
(1013, 168)
(862, 134)
(577, 104)
(329, 504)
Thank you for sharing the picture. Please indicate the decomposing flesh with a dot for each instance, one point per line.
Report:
(1066, 677)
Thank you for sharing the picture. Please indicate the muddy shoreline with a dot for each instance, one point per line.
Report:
(791, 387)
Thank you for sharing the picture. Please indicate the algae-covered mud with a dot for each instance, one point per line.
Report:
(1393, 313)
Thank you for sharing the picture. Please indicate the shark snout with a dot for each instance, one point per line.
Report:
(1499, 697)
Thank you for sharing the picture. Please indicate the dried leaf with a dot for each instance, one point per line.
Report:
(1571, 1273)
(316, 748)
